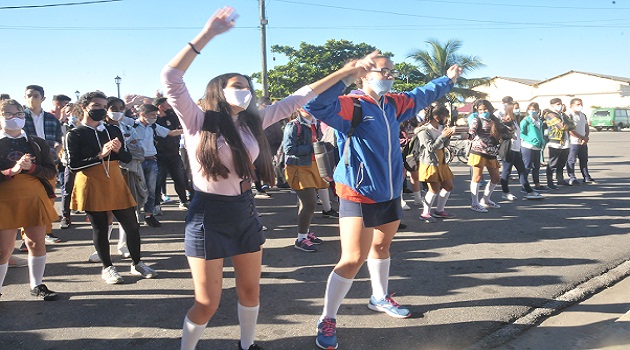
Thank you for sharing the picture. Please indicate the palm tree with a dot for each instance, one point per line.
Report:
(435, 62)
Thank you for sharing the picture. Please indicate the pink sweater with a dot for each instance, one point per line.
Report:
(191, 117)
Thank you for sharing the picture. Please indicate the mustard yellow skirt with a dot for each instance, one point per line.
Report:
(482, 162)
(94, 191)
(24, 203)
(300, 177)
(432, 173)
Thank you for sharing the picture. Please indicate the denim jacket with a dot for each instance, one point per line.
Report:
(298, 142)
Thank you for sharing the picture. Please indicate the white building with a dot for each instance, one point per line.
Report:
(595, 90)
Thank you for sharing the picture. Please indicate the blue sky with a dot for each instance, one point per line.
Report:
(69, 48)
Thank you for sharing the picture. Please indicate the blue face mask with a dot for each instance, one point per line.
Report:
(484, 115)
(381, 87)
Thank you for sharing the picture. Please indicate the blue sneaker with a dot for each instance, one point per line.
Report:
(388, 306)
(327, 333)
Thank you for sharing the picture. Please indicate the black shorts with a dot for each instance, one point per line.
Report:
(373, 215)
(220, 226)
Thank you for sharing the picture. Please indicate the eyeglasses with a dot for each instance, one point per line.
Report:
(9, 115)
(386, 72)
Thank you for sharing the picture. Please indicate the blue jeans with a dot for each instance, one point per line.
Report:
(531, 160)
(150, 169)
(578, 152)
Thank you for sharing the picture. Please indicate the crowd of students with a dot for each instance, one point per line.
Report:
(111, 165)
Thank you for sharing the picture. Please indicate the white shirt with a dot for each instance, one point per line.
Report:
(580, 121)
(38, 121)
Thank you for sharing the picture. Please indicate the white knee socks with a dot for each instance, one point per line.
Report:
(379, 276)
(336, 290)
(488, 191)
(441, 201)
(324, 196)
(3, 274)
(429, 199)
(191, 334)
(36, 267)
(247, 318)
(474, 192)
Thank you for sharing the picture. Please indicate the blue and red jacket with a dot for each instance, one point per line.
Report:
(374, 172)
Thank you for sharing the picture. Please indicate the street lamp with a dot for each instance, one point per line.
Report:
(77, 93)
(117, 80)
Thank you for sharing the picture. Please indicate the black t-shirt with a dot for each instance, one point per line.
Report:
(169, 145)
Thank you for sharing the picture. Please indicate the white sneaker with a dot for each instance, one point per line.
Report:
(140, 269)
(509, 196)
(488, 204)
(124, 251)
(534, 195)
(111, 276)
(94, 258)
(405, 206)
(478, 208)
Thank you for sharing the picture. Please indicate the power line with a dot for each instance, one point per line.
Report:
(56, 5)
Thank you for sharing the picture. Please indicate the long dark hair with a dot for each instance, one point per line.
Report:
(218, 122)
(495, 122)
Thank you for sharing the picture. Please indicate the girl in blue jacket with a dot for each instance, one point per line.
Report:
(368, 180)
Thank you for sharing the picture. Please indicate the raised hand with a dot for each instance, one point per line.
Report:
(218, 23)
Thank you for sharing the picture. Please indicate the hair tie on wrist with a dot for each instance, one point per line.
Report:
(194, 49)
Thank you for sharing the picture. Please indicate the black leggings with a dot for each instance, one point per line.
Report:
(100, 226)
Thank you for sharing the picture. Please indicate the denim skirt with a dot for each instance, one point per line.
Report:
(373, 214)
(220, 226)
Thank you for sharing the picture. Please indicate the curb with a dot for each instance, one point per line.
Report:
(537, 315)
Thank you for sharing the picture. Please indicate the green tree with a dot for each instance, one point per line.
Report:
(309, 63)
(435, 62)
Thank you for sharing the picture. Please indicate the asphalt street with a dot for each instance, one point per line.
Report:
(463, 279)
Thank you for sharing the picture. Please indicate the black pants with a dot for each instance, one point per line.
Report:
(171, 165)
(100, 228)
(557, 161)
(66, 191)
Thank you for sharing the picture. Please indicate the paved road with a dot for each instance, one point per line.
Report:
(462, 279)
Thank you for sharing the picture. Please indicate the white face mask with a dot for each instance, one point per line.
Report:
(117, 116)
(577, 108)
(13, 124)
(237, 97)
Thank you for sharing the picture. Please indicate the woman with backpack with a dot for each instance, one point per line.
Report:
(368, 180)
(303, 176)
(486, 132)
(433, 169)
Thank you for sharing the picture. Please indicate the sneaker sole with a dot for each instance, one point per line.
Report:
(389, 313)
(326, 347)
(305, 250)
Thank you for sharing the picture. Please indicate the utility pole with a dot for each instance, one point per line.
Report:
(263, 47)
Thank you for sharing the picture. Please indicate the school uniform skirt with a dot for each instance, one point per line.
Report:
(95, 191)
(478, 161)
(220, 226)
(24, 203)
(300, 177)
(432, 173)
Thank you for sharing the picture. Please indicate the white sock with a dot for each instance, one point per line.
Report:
(36, 267)
(324, 196)
(441, 201)
(417, 198)
(379, 276)
(247, 318)
(3, 274)
(301, 236)
(336, 289)
(429, 199)
(122, 236)
(191, 334)
(474, 192)
(488, 191)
